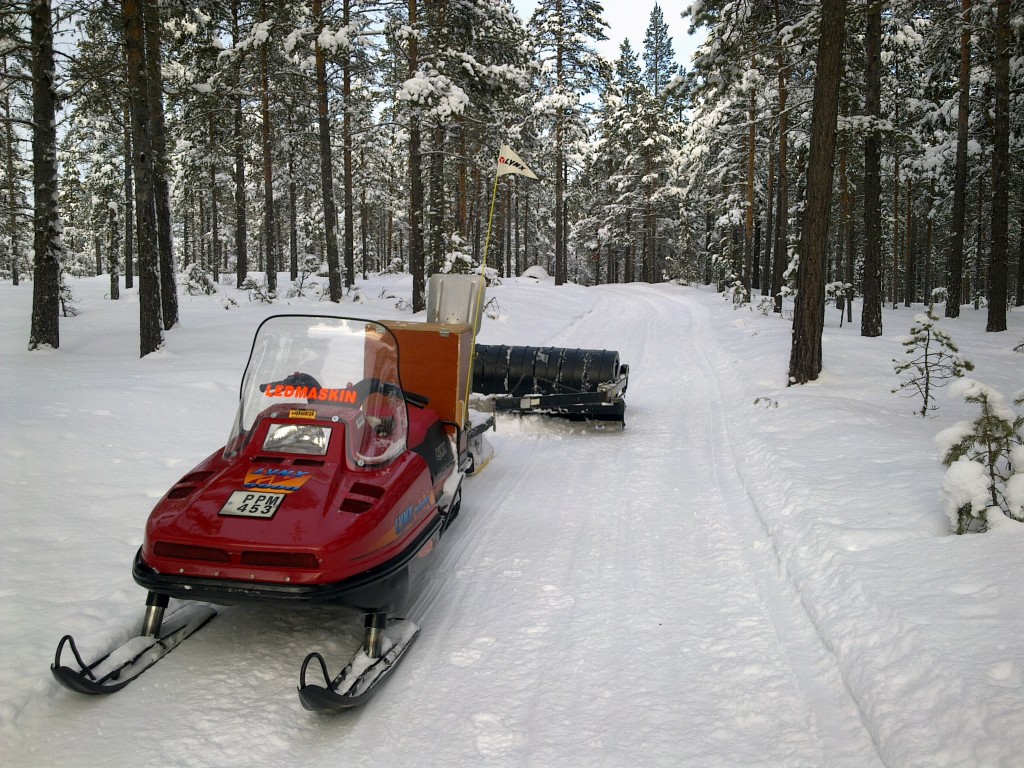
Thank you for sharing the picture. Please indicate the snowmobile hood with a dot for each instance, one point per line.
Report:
(316, 482)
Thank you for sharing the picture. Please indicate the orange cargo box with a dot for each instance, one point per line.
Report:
(434, 359)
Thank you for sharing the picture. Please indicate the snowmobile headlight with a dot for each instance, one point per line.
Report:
(297, 438)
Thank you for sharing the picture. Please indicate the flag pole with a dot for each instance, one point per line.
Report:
(490, 219)
(508, 162)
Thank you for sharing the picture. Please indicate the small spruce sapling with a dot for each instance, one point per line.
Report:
(985, 460)
(258, 290)
(198, 281)
(934, 360)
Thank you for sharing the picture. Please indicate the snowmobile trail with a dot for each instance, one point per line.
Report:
(539, 623)
(837, 716)
(694, 382)
(603, 599)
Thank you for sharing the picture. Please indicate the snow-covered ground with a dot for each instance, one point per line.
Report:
(747, 575)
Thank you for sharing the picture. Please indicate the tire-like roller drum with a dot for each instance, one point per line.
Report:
(520, 371)
(490, 368)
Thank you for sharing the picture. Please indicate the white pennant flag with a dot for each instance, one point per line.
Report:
(510, 162)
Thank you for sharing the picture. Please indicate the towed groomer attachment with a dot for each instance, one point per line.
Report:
(576, 384)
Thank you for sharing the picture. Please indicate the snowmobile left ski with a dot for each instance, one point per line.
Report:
(118, 667)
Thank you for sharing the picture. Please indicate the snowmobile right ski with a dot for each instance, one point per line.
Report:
(366, 670)
(115, 669)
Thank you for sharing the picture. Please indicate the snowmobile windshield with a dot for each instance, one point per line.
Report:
(315, 379)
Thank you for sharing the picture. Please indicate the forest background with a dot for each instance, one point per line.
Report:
(833, 149)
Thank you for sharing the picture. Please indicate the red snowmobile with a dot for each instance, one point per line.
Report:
(334, 487)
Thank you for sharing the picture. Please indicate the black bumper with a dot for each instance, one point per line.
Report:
(384, 588)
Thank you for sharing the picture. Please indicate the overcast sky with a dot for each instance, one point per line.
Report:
(629, 19)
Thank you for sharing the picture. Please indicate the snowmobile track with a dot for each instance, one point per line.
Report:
(835, 709)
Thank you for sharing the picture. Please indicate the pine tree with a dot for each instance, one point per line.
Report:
(985, 461)
(564, 32)
(997, 274)
(805, 355)
(150, 307)
(871, 314)
(617, 164)
(935, 360)
(95, 129)
(14, 171)
(660, 66)
(48, 247)
(955, 258)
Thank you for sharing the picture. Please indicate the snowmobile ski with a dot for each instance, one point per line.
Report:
(363, 674)
(114, 670)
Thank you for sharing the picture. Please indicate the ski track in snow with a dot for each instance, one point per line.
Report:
(651, 597)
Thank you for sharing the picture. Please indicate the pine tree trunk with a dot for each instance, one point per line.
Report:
(805, 355)
(150, 305)
(129, 204)
(462, 210)
(997, 266)
(416, 253)
(894, 286)
(908, 258)
(238, 141)
(435, 211)
(955, 258)
(560, 270)
(844, 229)
(509, 223)
(12, 183)
(1020, 254)
(161, 190)
(769, 196)
(364, 231)
(269, 242)
(202, 259)
(871, 314)
(516, 234)
(980, 244)
(44, 330)
(748, 235)
(928, 237)
(782, 193)
(851, 253)
(214, 211)
(293, 219)
(334, 278)
(113, 249)
(349, 242)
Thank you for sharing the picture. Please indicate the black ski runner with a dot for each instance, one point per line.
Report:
(114, 670)
(361, 677)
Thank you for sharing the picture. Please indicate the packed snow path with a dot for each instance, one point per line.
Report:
(651, 551)
(605, 598)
